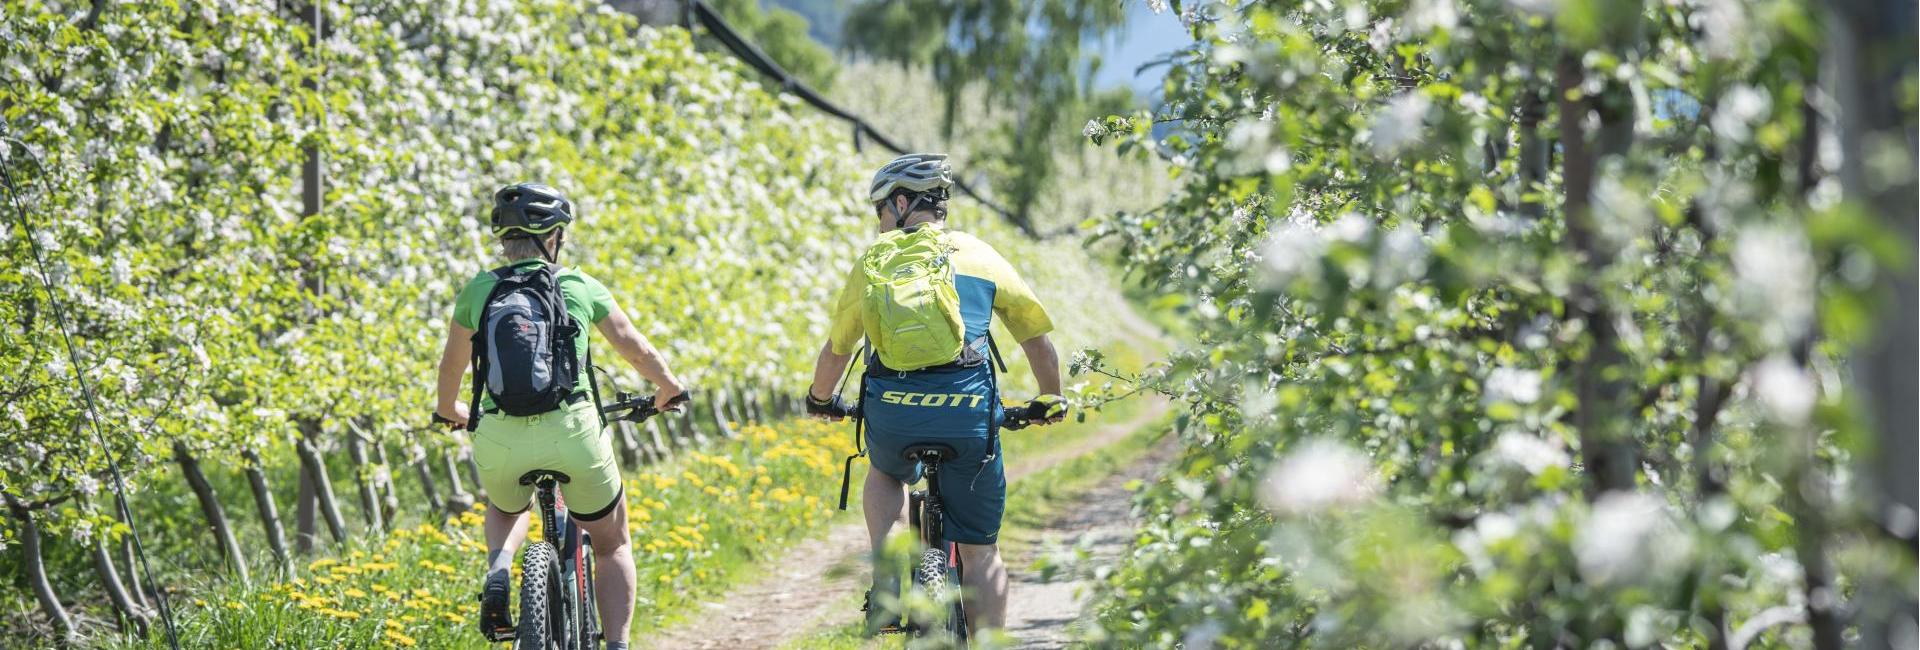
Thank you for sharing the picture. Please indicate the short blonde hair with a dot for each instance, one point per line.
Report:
(520, 248)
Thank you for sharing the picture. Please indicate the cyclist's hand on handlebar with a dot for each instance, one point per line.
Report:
(1047, 409)
(455, 420)
(833, 408)
(670, 399)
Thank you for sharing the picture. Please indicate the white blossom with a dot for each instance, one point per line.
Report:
(1784, 389)
(1157, 6)
(1529, 452)
(1740, 108)
(1401, 256)
(1509, 384)
(1774, 277)
(1428, 15)
(87, 484)
(1722, 25)
(1399, 124)
(1382, 36)
(1319, 475)
(1292, 250)
(1629, 537)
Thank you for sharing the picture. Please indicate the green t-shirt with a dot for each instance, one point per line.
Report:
(588, 302)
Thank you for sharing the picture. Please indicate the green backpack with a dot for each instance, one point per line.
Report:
(911, 311)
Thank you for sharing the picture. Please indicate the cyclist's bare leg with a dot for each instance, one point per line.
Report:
(505, 533)
(613, 581)
(986, 586)
(884, 501)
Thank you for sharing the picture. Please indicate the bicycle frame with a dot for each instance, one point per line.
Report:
(926, 514)
(575, 616)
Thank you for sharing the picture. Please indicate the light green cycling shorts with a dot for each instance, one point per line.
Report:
(566, 440)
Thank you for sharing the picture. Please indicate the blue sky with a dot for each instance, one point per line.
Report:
(1147, 37)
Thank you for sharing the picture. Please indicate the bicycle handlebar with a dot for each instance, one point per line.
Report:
(1013, 416)
(639, 407)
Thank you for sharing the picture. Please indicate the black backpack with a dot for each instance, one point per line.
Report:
(523, 349)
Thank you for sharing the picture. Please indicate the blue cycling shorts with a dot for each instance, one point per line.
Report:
(957, 407)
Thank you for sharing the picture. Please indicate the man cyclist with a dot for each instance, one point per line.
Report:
(953, 403)
(530, 220)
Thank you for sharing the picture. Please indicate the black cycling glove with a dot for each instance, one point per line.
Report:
(832, 407)
(1046, 407)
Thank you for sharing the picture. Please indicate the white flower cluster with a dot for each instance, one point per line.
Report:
(1320, 474)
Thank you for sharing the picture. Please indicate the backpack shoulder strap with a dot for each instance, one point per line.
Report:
(479, 349)
(994, 348)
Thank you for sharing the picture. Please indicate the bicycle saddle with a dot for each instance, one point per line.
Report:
(534, 476)
(932, 452)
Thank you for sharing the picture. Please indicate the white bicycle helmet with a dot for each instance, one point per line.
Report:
(919, 173)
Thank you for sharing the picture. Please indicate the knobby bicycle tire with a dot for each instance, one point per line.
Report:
(539, 598)
(930, 576)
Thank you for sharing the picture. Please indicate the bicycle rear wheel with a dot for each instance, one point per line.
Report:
(539, 599)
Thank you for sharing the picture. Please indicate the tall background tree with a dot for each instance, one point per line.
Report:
(1030, 58)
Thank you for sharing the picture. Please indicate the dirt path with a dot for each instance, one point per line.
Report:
(810, 585)
(1100, 524)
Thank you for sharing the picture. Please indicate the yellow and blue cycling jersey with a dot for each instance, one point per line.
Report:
(987, 285)
(955, 405)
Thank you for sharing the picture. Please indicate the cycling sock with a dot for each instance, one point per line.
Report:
(616, 645)
(497, 562)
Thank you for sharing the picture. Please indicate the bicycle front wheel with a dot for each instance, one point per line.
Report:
(931, 576)
(539, 599)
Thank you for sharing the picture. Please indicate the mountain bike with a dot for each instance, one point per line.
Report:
(557, 607)
(937, 573)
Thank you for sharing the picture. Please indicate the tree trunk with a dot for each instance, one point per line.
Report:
(210, 507)
(1869, 60)
(132, 618)
(263, 503)
(127, 558)
(629, 448)
(689, 434)
(459, 500)
(364, 481)
(735, 407)
(328, 507)
(662, 449)
(1534, 152)
(1603, 411)
(473, 472)
(424, 471)
(716, 414)
(306, 506)
(36, 566)
(390, 500)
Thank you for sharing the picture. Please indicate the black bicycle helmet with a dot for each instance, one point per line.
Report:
(529, 209)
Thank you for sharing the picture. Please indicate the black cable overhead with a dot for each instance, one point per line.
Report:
(759, 60)
(80, 377)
